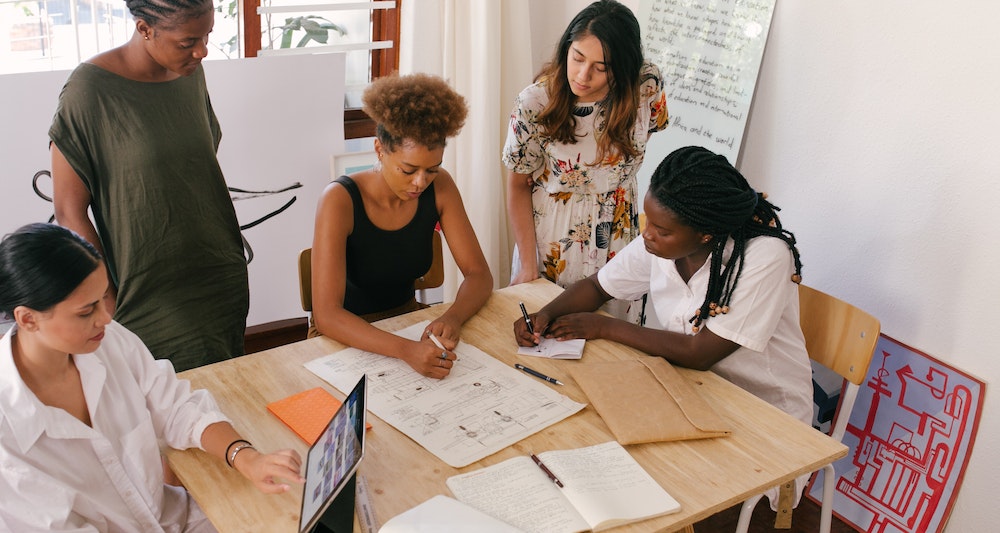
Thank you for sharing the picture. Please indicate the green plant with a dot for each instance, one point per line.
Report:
(316, 29)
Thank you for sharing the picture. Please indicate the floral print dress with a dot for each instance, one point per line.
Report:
(584, 214)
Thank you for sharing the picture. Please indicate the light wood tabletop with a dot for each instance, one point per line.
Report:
(766, 447)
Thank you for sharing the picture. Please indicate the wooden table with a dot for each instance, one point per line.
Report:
(767, 447)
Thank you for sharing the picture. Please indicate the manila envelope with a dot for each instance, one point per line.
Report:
(647, 400)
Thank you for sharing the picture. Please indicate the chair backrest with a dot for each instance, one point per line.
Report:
(435, 275)
(433, 278)
(842, 338)
(305, 279)
(838, 335)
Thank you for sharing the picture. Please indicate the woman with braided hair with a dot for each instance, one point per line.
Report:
(134, 141)
(721, 274)
(722, 278)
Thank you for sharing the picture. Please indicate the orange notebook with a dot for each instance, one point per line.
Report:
(307, 412)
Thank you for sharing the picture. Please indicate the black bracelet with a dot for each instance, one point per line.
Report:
(239, 448)
(226, 455)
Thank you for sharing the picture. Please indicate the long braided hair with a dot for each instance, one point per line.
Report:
(711, 196)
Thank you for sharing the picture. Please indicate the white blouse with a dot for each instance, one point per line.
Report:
(771, 362)
(60, 474)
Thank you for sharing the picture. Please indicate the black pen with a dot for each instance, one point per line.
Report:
(546, 470)
(536, 373)
(531, 329)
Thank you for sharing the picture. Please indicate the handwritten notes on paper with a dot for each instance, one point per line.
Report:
(553, 348)
(482, 407)
(604, 487)
(709, 54)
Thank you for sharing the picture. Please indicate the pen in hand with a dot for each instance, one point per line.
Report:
(527, 320)
(546, 470)
(536, 373)
(437, 343)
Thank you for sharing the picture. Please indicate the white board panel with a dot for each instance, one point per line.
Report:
(709, 54)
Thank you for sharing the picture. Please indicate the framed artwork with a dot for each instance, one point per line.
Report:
(6, 322)
(348, 163)
(910, 436)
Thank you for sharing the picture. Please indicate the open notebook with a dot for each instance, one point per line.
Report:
(601, 487)
(334, 457)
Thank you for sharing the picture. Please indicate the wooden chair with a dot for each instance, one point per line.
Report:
(432, 279)
(842, 338)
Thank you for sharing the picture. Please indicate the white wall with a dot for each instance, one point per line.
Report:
(874, 128)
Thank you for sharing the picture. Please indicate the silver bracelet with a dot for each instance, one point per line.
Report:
(236, 450)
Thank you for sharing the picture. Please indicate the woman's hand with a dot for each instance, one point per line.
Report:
(525, 275)
(577, 326)
(539, 324)
(445, 331)
(430, 360)
(266, 471)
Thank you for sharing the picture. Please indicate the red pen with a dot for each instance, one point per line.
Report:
(546, 470)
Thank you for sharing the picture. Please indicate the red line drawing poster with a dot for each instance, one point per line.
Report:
(910, 436)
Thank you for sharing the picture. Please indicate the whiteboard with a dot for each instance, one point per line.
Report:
(709, 54)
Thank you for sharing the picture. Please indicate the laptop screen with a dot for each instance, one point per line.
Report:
(334, 457)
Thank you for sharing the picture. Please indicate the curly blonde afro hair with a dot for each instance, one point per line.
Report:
(417, 107)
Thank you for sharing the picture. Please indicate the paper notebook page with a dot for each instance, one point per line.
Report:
(607, 486)
(555, 349)
(519, 493)
(442, 514)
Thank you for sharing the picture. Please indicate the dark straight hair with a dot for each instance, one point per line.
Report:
(41, 264)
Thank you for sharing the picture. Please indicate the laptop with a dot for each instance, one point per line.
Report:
(334, 457)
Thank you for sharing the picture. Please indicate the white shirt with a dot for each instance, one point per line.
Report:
(60, 474)
(763, 318)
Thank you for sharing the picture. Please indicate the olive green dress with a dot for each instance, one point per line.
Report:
(147, 154)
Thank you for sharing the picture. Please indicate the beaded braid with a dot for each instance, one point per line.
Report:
(711, 196)
(163, 13)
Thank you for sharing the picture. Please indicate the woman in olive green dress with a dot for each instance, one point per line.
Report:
(134, 140)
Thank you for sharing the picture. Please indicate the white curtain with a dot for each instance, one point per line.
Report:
(483, 49)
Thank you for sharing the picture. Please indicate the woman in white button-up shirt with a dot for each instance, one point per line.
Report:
(721, 276)
(83, 404)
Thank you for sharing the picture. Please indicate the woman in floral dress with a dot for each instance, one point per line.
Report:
(576, 140)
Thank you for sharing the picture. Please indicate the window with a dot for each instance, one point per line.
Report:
(43, 35)
(294, 26)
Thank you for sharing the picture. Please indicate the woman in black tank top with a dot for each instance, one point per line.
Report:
(374, 229)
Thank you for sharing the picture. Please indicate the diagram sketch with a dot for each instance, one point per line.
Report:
(482, 407)
(910, 435)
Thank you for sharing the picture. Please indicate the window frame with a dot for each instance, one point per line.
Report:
(385, 27)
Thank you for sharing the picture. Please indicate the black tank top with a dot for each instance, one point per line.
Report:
(382, 265)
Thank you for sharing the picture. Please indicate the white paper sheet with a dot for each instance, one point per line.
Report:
(555, 349)
(482, 407)
(442, 514)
